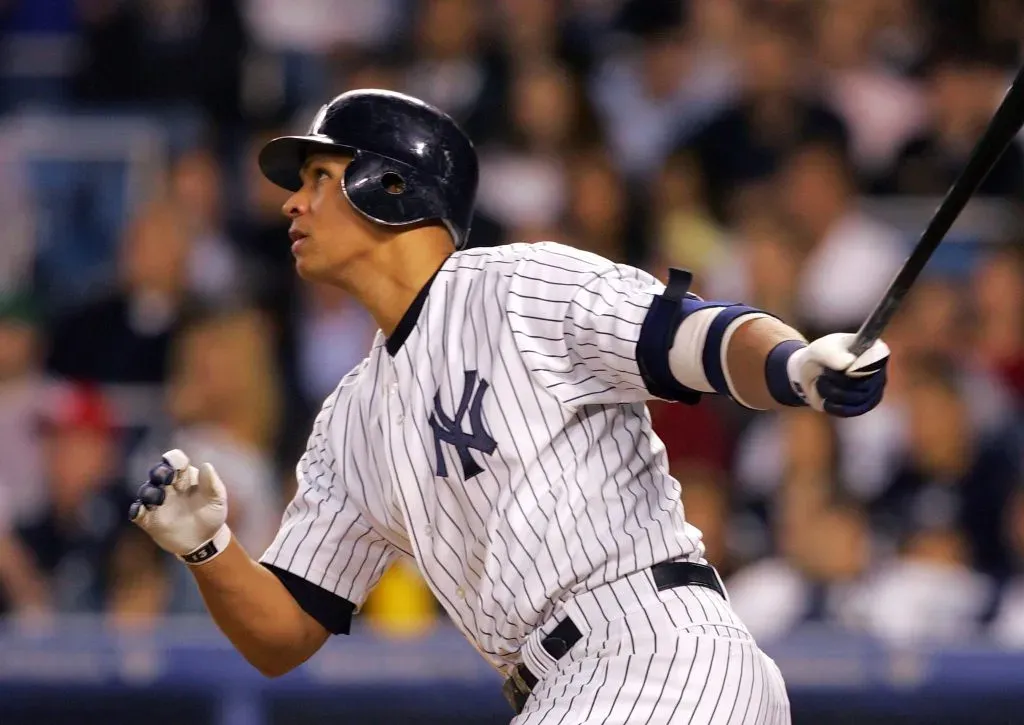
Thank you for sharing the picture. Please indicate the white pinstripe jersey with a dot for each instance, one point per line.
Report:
(506, 445)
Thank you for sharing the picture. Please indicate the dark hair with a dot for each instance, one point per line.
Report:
(649, 19)
(587, 130)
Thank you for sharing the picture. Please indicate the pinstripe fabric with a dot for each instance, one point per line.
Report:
(643, 659)
(574, 494)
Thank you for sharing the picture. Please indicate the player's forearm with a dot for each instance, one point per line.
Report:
(759, 361)
(747, 361)
(256, 612)
(737, 351)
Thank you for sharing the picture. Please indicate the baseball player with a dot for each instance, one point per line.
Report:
(497, 433)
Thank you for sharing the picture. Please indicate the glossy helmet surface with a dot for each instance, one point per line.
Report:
(411, 162)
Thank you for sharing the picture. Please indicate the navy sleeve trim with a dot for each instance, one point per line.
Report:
(712, 356)
(330, 610)
(656, 337)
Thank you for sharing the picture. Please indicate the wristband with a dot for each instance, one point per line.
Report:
(776, 373)
(210, 549)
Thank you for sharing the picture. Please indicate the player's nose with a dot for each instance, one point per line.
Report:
(295, 205)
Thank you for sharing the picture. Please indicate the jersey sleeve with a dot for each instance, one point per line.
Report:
(326, 552)
(576, 319)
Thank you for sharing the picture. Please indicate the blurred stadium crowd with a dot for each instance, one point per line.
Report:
(787, 152)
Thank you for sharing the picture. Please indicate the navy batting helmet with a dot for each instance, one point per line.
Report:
(411, 162)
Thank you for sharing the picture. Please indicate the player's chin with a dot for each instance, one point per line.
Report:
(308, 267)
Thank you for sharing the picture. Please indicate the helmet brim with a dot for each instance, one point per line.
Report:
(282, 158)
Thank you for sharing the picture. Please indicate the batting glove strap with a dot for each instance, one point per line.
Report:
(210, 550)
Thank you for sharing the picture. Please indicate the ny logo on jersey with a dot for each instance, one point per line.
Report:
(449, 430)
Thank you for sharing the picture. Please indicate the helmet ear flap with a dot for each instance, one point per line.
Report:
(390, 192)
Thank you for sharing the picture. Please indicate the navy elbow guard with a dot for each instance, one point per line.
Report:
(658, 335)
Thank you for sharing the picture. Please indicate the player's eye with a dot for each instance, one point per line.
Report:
(320, 174)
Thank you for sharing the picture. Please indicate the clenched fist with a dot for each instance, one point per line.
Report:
(184, 509)
(829, 378)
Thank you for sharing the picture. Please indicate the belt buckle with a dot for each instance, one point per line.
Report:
(516, 691)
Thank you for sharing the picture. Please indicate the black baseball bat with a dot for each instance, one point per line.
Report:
(999, 133)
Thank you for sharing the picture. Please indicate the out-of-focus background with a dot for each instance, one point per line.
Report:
(787, 152)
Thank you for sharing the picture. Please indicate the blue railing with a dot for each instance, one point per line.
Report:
(82, 672)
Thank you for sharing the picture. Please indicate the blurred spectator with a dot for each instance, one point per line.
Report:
(685, 234)
(880, 107)
(963, 91)
(456, 67)
(162, 52)
(936, 322)
(300, 46)
(600, 217)
(717, 23)
(313, 27)
(761, 266)
(706, 504)
(523, 180)
(696, 438)
(197, 192)
(1001, 27)
(23, 591)
(124, 337)
(853, 256)
(1007, 626)
(903, 37)
(261, 229)
(997, 287)
(73, 541)
(825, 552)
(928, 593)
(22, 401)
(544, 30)
(334, 334)
(934, 319)
(952, 478)
(657, 86)
(776, 109)
(771, 450)
(818, 545)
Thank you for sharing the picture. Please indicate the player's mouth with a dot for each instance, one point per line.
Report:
(297, 236)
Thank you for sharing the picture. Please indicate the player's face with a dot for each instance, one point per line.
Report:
(326, 232)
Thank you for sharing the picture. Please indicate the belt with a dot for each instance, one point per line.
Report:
(667, 575)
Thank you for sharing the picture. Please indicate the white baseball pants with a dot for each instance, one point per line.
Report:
(660, 658)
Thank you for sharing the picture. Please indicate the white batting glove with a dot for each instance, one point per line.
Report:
(184, 509)
(829, 378)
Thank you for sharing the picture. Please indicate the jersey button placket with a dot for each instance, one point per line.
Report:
(396, 403)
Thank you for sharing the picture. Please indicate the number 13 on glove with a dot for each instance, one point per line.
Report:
(184, 509)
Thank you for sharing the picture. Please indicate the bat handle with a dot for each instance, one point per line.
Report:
(861, 343)
(871, 330)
